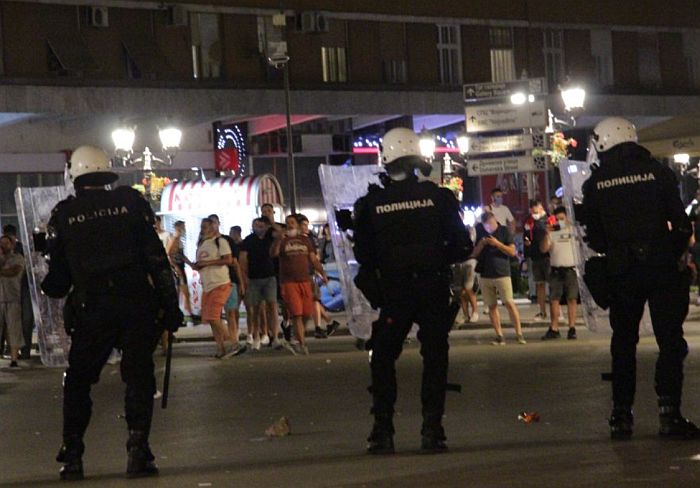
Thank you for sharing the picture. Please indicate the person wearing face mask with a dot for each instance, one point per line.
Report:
(559, 243)
(407, 233)
(494, 251)
(500, 211)
(537, 261)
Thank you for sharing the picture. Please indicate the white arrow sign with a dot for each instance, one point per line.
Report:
(518, 142)
(487, 118)
(520, 164)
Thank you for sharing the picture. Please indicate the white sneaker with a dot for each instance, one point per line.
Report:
(256, 344)
(474, 317)
(157, 394)
(249, 339)
(265, 341)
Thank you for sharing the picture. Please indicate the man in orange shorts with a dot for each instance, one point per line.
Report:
(213, 260)
(296, 253)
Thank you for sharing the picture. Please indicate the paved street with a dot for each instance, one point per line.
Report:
(212, 434)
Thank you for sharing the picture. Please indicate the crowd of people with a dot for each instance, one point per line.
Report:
(547, 253)
(275, 271)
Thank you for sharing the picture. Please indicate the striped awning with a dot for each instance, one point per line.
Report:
(198, 197)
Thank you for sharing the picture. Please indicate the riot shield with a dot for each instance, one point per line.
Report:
(341, 187)
(34, 207)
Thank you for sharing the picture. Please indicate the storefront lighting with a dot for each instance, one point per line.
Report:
(463, 143)
(681, 158)
(426, 143)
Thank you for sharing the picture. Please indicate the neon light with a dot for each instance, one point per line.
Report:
(365, 150)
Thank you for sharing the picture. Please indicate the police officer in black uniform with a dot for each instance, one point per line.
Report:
(633, 214)
(406, 236)
(105, 255)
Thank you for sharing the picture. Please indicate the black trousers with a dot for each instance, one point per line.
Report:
(667, 292)
(105, 323)
(425, 301)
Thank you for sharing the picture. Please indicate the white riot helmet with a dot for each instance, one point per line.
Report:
(90, 166)
(401, 145)
(612, 132)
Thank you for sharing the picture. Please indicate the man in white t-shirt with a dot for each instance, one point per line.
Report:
(213, 260)
(502, 213)
(559, 241)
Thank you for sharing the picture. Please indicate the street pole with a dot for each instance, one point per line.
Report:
(291, 173)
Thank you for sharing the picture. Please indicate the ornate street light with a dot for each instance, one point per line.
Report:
(573, 97)
(124, 137)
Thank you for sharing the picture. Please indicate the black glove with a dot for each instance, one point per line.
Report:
(171, 319)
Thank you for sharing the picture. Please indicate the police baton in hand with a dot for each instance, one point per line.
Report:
(168, 363)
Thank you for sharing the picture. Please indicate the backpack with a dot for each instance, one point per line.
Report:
(231, 269)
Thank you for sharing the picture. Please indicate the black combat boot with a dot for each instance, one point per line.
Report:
(621, 423)
(672, 423)
(433, 435)
(71, 455)
(141, 460)
(381, 440)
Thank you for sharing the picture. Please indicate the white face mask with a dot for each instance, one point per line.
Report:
(292, 232)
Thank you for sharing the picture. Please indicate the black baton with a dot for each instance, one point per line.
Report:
(168, 363)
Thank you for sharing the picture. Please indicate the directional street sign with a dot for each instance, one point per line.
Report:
(506, 116)
(518, 164)
(477, 91)
(517, 142)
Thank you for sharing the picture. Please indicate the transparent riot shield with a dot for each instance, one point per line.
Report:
(573, 175)
(34, 207)
(341, 187)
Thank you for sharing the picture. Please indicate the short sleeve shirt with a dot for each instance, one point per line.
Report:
(294, 259)
(496, 264)
(561, 252)
(213, 276)
(260, 264)
(11, 286)
(502, 213)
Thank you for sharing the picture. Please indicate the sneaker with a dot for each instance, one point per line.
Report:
(499, 341)
(521, 339)
(332, 327)
(256, 344)
(571, 335)
(302, 350)
(474, 318)
(249, 339)
(551, 334)
(158, 394)
(319, 333)
(541, 317)
(678, 427)
(265, 341)
(237, 350)
(289, 347)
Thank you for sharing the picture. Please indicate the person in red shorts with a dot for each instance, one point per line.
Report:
(295, 252)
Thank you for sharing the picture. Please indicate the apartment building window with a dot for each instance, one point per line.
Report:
(649, 64)
(449, 54)
(601, 50)
(691, 50)
(553, 57)
(502, 56)
(334, 64)
(207, 55)
(395, 71)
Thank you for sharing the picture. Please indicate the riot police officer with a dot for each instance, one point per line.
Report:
(105, 255)
(406, 236)
(634, 215)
